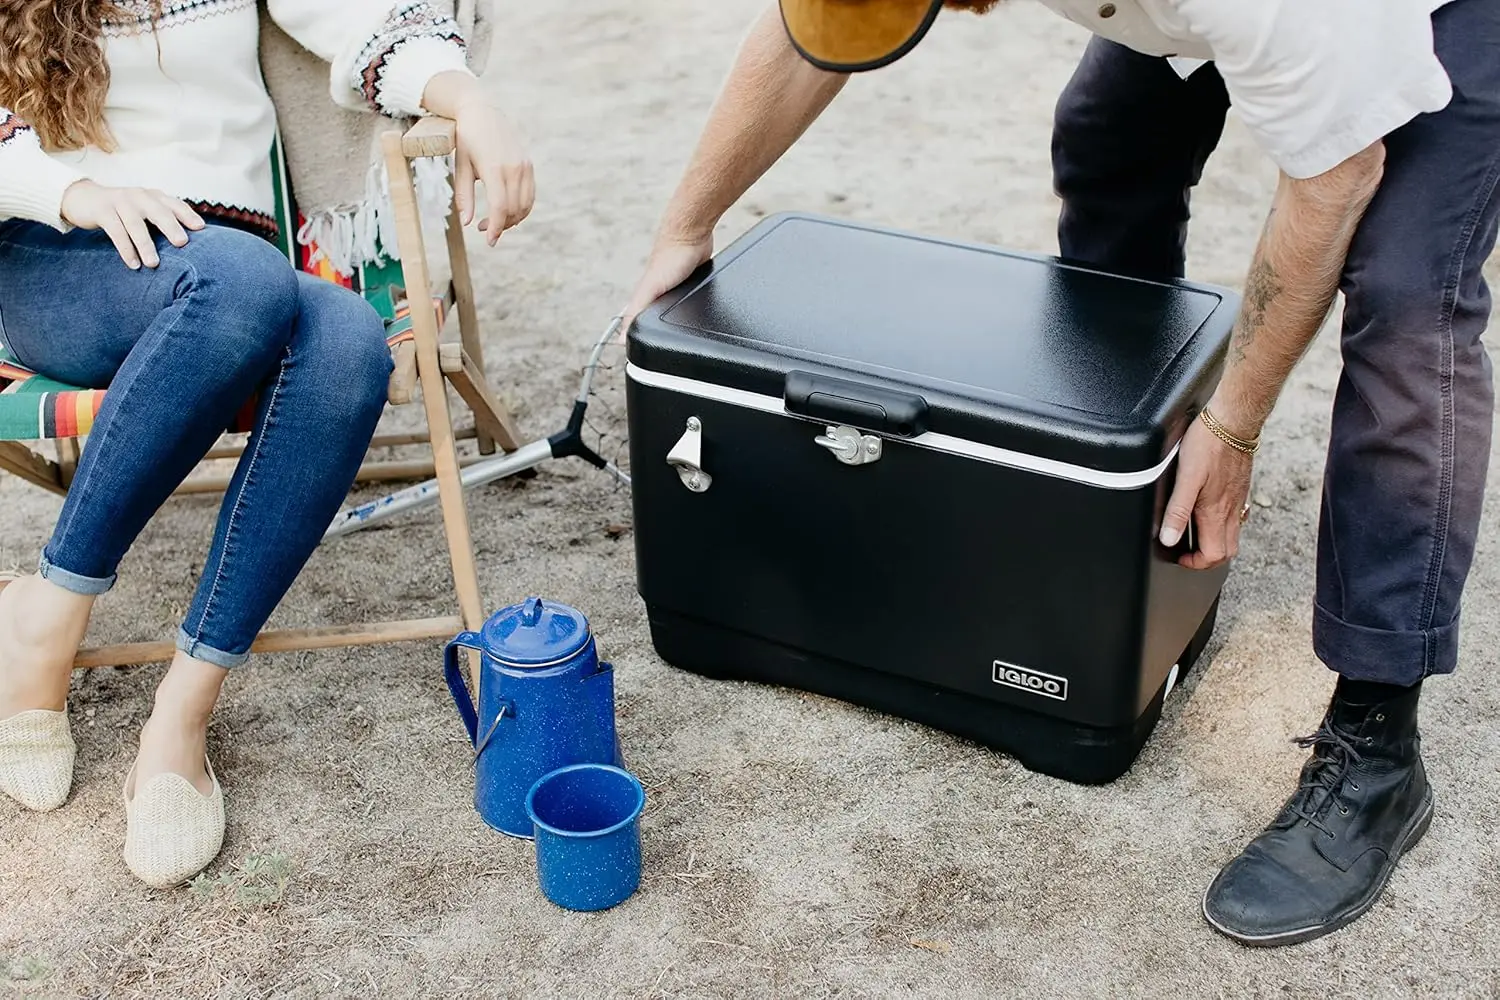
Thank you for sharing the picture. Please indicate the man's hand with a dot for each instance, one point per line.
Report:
(1213, 485)
(671, 261)
(127, 216)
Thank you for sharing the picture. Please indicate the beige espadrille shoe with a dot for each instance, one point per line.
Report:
(36, 758)
(172, 830)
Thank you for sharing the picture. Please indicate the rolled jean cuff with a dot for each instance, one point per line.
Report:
(88, 586)
(1387, 657)
(199, 650)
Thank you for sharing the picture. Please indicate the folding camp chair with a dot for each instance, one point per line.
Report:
(36, 409)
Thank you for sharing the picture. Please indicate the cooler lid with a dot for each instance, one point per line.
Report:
(904, 335)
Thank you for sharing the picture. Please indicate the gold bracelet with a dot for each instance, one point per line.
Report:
(1222, 433)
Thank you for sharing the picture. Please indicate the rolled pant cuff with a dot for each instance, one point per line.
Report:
(88, 586)
(1387, 657)
(198, 650)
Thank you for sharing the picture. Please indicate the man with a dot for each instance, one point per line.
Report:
(1384, 120)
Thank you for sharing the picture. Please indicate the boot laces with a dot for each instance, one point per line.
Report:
(1334, 756)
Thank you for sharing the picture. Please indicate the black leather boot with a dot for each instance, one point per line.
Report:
(1363, 802)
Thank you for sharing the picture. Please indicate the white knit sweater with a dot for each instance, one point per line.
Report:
(188, 109)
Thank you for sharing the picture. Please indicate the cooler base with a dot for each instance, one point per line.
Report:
(1081, 754)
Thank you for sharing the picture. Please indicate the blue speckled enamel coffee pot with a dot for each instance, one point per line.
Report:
(545, 702)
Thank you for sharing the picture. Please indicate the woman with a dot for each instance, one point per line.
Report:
(133, 158)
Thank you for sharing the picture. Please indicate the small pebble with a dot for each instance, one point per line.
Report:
(1261, 500)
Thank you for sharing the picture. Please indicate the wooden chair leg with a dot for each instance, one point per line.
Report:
(387, 471)
(402, 388)
(21, 461)
(69, 451)
(490, 415)
(468, 315)
(434, 394)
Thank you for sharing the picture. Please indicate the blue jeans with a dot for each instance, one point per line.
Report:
(1413, 414)
(182, 348)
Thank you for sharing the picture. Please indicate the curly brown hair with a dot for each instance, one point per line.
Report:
(52, 69)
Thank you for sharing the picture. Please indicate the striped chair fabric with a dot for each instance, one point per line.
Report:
(36, 408)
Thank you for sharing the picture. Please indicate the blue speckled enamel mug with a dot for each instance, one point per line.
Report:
(588, 835)
(545, 701)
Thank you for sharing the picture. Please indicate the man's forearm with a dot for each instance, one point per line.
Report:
(770, 98)
(1291, 284)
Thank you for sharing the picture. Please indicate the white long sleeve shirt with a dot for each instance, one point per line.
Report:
(188, 109)
(1315, 81)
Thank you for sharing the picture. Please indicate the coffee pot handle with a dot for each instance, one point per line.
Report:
(455, 678)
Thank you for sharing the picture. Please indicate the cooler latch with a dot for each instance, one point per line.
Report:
(686, 457)
(850, 446)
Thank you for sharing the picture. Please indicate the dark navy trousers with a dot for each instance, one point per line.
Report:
(1410, 437)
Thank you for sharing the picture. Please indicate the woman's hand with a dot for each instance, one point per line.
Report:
(671, 261)
(127, 215)
(490, 152)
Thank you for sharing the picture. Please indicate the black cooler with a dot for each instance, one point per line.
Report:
(925, 477)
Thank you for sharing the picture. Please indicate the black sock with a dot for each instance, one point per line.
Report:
(1369, 692)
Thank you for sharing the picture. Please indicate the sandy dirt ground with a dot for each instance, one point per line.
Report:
(794, 846)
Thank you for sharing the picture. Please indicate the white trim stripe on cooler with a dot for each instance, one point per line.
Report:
(931, 440)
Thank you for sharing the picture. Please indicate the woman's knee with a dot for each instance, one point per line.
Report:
(247, 282)
(340, 338)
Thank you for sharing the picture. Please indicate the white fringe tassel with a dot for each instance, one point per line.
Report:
(353, 236)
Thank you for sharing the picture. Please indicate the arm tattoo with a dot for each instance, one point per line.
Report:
(1292, 282)
(1261, 287)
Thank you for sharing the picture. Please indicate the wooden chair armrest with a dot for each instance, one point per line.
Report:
(430, 136)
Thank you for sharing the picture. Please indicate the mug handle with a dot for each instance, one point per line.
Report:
(455, 678)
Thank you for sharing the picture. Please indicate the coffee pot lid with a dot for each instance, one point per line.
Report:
(535, 632)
